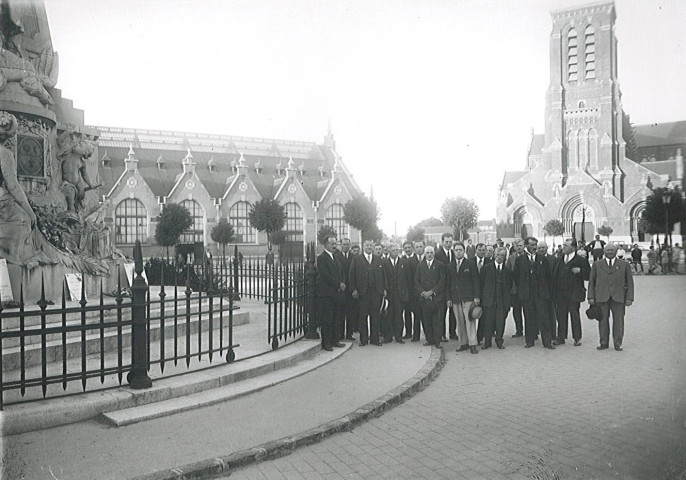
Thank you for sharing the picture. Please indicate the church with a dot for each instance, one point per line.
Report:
(590, 167)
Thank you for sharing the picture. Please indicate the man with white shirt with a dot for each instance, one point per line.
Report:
(481, 259)
(569, 274)
(496, 285)
(368, 285)
(464, 289)
(429, 283)
(397, 278)
(445, 255)
(611, 288)
(595, 248)
(330, 290)
(414, 331)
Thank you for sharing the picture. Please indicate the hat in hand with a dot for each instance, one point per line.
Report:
(475, 312)
(594, 313)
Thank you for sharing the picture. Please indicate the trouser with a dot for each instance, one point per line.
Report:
(638, 263)
(407, 319)
(535, 317)
(517, 313)
(432, 322)
(417, 322)
(452, 322)
(326, 314)
(394, 317)
(352, 321)
(617, 309)
(566, 308)
(480, 325)
(369, 308)
(597, 254)
(466, 328)
(494, 321)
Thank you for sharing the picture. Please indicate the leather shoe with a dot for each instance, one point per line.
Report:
(414, 340)
(528, 345)
(349, 337)
(390, 340)
(407, 337)
(602, 347)
(463, 348)
(473, 349)
(501, 346)
(560, 341)
(327, 348)
(577, 343)
(363, 344)
(427, 344)
(618, 348)
(485, 346)
(518, 334)
(338, 345)
(377, 343)
(550, 346)
(400, 341)
(453, 337)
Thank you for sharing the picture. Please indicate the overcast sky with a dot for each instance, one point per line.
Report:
(426, 99)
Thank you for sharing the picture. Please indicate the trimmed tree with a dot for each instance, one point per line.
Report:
(267, 215)
(325, 232)
(415, 234)
(461, 214)
(173, 221)
(654, 213)
(430, 222)
(605, 231)
(554, 228)
(362, 213)
(222, 233)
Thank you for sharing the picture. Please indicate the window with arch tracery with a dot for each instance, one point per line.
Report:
(195, 233)
(130, 222)
(294, 222)
(334, 219)
(239, 218)
(572, 56)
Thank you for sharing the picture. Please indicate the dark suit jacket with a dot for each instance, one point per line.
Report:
(433, 279)
(345, 266)
(486, 262)
(617, 283)
(329, 276)
(360, 271)
(589, 247)
(532, 280)
(442, 257)
(463, 285)
(569, 284)
(398, 279)
(412, 263)
(488, 282)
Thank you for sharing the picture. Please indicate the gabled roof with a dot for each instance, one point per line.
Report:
(660, 134)
(512, 177)
(665, 167)
(537, 143)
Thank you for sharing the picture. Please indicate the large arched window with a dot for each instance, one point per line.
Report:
(589, 53)
(593, 148)
(572, 150)
(572, 56)
(130, 221)
(334, 219)
(583, 149)
(294, 222)
(195, 233)
(238, 217)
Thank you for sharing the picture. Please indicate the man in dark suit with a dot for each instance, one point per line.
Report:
(569, 274)
(611, 288)
(496, 285)
(397, 277)
(430, 285)
(368, 284)
(464, 288)
(532, 278)
(481, 259)
(408, 253)
(345, 257)
(542, 250)
(415, 298)
(596, 248)
(330, 289)
(517, 305)
(445, 255)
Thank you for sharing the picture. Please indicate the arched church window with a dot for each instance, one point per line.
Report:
(195, 232)
(294, 222)
(334, 219)
(583, 149)
(572, 56)
(130, 222)
(239, 218)
(589, 51)
(593, 148)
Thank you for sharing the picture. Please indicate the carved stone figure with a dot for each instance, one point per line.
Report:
(73, 151)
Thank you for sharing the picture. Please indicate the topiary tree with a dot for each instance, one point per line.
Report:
(362, 213)
(325, 232)
(223, 233)
(267, 215)
(461, 214)
(554, 228)
(605, 231)
(173, 221)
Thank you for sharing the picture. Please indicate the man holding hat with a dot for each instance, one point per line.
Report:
(496, 284)
(464, 290)
(611, 288)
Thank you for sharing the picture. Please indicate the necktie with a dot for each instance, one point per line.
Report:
(459, 262)
(481, 263)
(611, 262)
(449, 257)
(499, 267)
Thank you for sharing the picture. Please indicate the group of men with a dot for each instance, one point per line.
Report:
(393, 296)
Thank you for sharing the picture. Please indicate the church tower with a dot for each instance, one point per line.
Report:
(583, 117)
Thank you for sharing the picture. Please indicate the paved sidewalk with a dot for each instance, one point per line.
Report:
(93, 450)
(571, 413)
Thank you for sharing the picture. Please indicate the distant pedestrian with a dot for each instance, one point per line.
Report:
(611, 288)
(652, 260)
(636, 257)
(596, 248)
(677, 261)
(470, 249)
(269, 257)
(664, 260)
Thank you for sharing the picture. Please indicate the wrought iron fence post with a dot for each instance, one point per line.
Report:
(138, 376)
(311, 286)
(236, 290)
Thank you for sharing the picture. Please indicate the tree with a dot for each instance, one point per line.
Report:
(267, 215)
(279, 238)
(325, 232)
(173, 221)
(554, 228)
(415, 234)
(461, 214)
(362, 213)
(222, 233)
(373, 233)
(654, 213)
(430, 222)
(605, 231)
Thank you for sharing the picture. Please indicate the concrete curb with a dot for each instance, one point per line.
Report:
(213, 467)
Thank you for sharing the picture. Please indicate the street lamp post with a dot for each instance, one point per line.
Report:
(666, 199)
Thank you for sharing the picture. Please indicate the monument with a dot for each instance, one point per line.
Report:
(51, 221)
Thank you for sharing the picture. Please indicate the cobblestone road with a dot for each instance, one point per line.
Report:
(570, 413)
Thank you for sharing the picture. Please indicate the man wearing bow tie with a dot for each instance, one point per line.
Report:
(430, 285)
(368, 284)
(330, 290)
(611, 288)
(569, 274)
(532, 278)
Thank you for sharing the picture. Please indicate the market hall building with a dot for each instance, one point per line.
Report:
(217, 176)
(590, 164)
